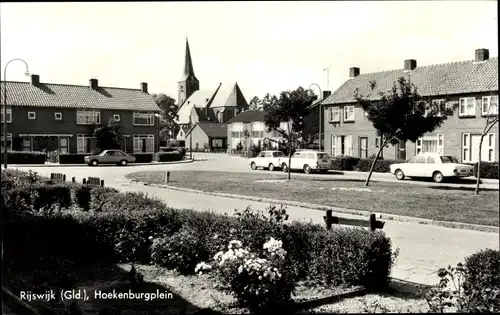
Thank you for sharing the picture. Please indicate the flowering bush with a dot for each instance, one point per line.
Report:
(257, 281)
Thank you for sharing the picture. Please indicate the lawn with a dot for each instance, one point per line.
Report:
(433, 203)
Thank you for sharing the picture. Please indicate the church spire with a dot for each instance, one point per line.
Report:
(188, 63)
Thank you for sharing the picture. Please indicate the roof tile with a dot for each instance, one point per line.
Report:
(248, 116)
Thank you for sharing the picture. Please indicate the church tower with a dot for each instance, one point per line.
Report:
(189, 83)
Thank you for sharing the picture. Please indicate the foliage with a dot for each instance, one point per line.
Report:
(109, 135)
(488, 170)
(472, 288)
(143, 157)
(401, 114)
(289, 109)
(255, 103)
(168, 156)
(168, 112)
(24, 157)
(344, 163)
(381, 166)
(53, 156)
(258, 280)
(72, 158)
(181, 251)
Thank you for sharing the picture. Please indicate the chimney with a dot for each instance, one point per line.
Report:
(144, 87)
(93, 84)
(482, 54)
(314, 97)
(353, 72)
(327, 93)
(410, 64)
(35, 79)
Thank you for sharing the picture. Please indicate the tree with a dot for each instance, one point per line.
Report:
(168, 112)
(401, 115)
(286, 116)
(255, 103)
(108, 136)
(490, 120)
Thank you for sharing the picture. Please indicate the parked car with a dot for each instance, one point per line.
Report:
(308, 161)
(436, 166)
(267, 160)
(110, 157)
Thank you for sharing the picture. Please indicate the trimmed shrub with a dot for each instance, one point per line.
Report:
(72, 158)
(53, 156)
(168, 156)
(143, 157)
(488, 170)
(25, 157)
(382, 166)
(344, 163)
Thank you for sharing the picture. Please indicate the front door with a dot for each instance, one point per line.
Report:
(401, 151)
(363, 147)
(63, 145)
(474, 147)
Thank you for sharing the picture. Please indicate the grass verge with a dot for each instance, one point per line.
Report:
(386, 197)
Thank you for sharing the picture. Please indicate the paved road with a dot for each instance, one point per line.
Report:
(423, 248)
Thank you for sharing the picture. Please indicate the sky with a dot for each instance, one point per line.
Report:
(266, 47)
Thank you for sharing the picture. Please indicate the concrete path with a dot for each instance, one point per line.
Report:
(423, 248)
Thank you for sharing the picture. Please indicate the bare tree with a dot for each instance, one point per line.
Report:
(489, 110)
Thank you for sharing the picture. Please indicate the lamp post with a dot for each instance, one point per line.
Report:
(5, 150)
(190, 140)
(158, 129)
(320, 112)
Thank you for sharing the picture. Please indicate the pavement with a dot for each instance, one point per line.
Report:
(423, 248)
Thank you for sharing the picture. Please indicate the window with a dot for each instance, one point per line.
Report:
(63, 145)
(84, 144)
(363, 147)
(143, 119)
(144, 143)
(431, 160)
(31, 115)
(27, 144)
(116, 117)
(430, 144)
(349, 113)
(257, 130)
(9, 141)
(441, 106)
(470, 148)
(284, 126)
(448, 159)
(9, 114)
(278, 154)
(341, 145)
(467, 106)
(419, 160)
(335, 114)
(489, 105)
(88, 117)
(217, 143)
(58, 116)
(377, 142)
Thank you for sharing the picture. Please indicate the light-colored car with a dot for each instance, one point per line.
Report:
(308, 161)
(436, 166)
(110, 157)
(267, 160)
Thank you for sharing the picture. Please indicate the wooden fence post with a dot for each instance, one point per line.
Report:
(84, 181)
(328, 219)
(168, 177)
(64, 177)
(51, 175)
(73, 179)
(102, 182)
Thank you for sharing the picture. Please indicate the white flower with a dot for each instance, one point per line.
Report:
(260, 277)
(240, 269)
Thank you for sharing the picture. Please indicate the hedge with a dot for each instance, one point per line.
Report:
(121, 229)
(344, 163)
(24, 157)
(72, 158)
(382, 166)
(168, 156)
(143, 157)
(488, 170)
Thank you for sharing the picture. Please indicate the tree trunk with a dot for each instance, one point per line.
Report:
(479, 164)
(373, 164)
(289, 161)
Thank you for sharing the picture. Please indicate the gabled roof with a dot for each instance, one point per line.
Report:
(229, 97)
(212, 130)
(248, 116)
(315, 103)
(188, 64)
(434, 80)
(77, 96)
(199, 99)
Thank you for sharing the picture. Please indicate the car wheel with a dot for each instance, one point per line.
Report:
(438, 177)
(123, 162)
(94, 163)
(307, 169)
(253, 166)
(400, 175)
(284, 167)
(271, 167)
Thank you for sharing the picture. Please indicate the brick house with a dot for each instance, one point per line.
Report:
(251, 123)
(62, 117)
(207, 136)
(471, 86)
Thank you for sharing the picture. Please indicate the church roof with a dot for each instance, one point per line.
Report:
(230, 96)
(212, 130)
(199, 99)
(188, 64)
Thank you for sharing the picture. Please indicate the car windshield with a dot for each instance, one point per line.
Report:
(449, 159)
(278, 154)
(322, 156)
(103, 153)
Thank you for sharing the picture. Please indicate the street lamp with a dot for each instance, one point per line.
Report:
(5, 150)
(320, 111)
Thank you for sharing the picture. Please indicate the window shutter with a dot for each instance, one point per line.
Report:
(465, 147)
(440, 144)
(419, 145)
(334, 145)
(348, 143)
(491, 147)
(479, 104)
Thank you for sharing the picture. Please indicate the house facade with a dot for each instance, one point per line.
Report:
(46, 116)
(469, 86)
(208, 137)
(214, 106)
